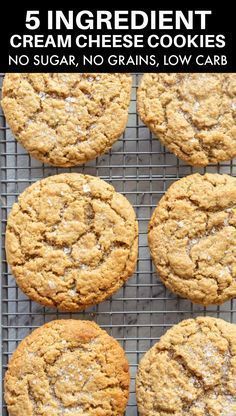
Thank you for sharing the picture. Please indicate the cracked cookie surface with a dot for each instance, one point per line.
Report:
(192, 238)
(66, 119)
(192, 114)
(71, 241)
(67, 367)
(191, 371)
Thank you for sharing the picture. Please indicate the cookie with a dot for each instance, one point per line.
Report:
(192, 114)
(67, 367)
(190, 372)
(71, 241)
(66, 119)
(192, 238)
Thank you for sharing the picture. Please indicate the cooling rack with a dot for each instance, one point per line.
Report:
(139, 167)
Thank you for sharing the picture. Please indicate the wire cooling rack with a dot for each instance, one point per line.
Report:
(140, 168)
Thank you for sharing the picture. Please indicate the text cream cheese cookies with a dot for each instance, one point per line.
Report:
(71, 241)
(190, 372)
(66, 119)
(192, 238)
(192, 114)
(67, 367)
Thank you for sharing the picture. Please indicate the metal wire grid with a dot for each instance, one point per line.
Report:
(143, 310)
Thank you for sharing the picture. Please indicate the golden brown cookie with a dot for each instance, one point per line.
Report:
(192, 114)
(190, 372)
(192, 238)
(67, 367)
(66, 119)
(71, 241)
